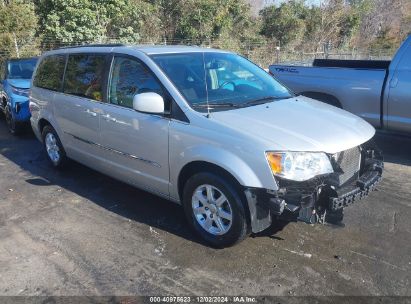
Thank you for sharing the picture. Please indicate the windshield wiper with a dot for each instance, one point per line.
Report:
(258, 101)
(264, 100)
(215, 104)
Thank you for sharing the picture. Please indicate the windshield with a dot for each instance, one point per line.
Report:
(21, 68)
(218, 81)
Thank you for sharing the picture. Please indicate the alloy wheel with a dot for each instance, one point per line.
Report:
(212, 210)
(52, 148)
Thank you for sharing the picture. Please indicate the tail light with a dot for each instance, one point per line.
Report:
(32, 107)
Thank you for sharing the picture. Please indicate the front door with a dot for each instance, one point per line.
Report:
(136, 144)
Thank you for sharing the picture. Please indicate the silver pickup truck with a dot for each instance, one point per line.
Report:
(378, 91)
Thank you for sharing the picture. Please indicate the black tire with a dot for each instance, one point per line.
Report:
(3, 109)
(14, 127)
(62, 159)
(238, 230)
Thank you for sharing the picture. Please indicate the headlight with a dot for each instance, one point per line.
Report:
(298, 166)
(21, 92)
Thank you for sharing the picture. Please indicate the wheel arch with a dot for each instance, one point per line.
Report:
(195, 167)
(48, 121)
(42, 123)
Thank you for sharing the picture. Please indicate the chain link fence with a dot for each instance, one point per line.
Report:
(262, 53)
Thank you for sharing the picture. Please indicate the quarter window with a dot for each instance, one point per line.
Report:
(85, 76)
(131, 77)
(49, 74)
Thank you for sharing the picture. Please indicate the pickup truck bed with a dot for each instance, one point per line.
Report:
(360, 95)
(352, 64)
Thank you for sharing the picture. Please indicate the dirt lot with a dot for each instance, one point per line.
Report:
(78, 232)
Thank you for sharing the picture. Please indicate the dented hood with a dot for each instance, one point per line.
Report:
(298, 124)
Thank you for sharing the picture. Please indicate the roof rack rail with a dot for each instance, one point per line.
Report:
(93, 45)
(22, 58)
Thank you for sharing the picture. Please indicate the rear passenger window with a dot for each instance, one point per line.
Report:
(49, 74)
(84, 76)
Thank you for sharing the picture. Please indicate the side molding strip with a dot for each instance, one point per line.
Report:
(149, 162)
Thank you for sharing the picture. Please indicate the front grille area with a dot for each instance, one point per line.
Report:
(349, 164)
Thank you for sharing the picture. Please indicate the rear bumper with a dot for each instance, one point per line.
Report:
(35, 127)
(312, 200)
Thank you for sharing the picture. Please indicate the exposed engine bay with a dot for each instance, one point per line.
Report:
(357, 172)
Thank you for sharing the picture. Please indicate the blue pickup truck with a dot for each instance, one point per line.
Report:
(15, 79)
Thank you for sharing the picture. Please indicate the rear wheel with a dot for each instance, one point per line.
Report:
(53, 147)
(215, 210)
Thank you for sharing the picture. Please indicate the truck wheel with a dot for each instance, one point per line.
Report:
(14, 127)
(53, 147)
(215, 210)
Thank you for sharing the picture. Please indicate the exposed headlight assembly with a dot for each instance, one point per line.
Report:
(298, 166)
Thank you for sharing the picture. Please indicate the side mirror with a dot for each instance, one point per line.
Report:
(151, 103)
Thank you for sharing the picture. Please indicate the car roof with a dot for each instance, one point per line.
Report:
(167, 49)
(147, 49)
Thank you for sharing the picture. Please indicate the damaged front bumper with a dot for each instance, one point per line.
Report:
(361, 188)
(318, 200)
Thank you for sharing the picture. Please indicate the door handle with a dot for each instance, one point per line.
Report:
(88, 112)
(109, 118)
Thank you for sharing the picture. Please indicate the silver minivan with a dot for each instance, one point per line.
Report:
(204, 128)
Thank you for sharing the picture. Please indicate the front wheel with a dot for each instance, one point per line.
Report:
(215, 209)
(54, 149)
(14, 127)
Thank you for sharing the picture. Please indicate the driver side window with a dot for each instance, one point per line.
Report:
(130, 77)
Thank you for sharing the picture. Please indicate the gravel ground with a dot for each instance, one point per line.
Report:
(77, 232)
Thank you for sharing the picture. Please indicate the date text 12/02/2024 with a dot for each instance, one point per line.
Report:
(203, 299)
